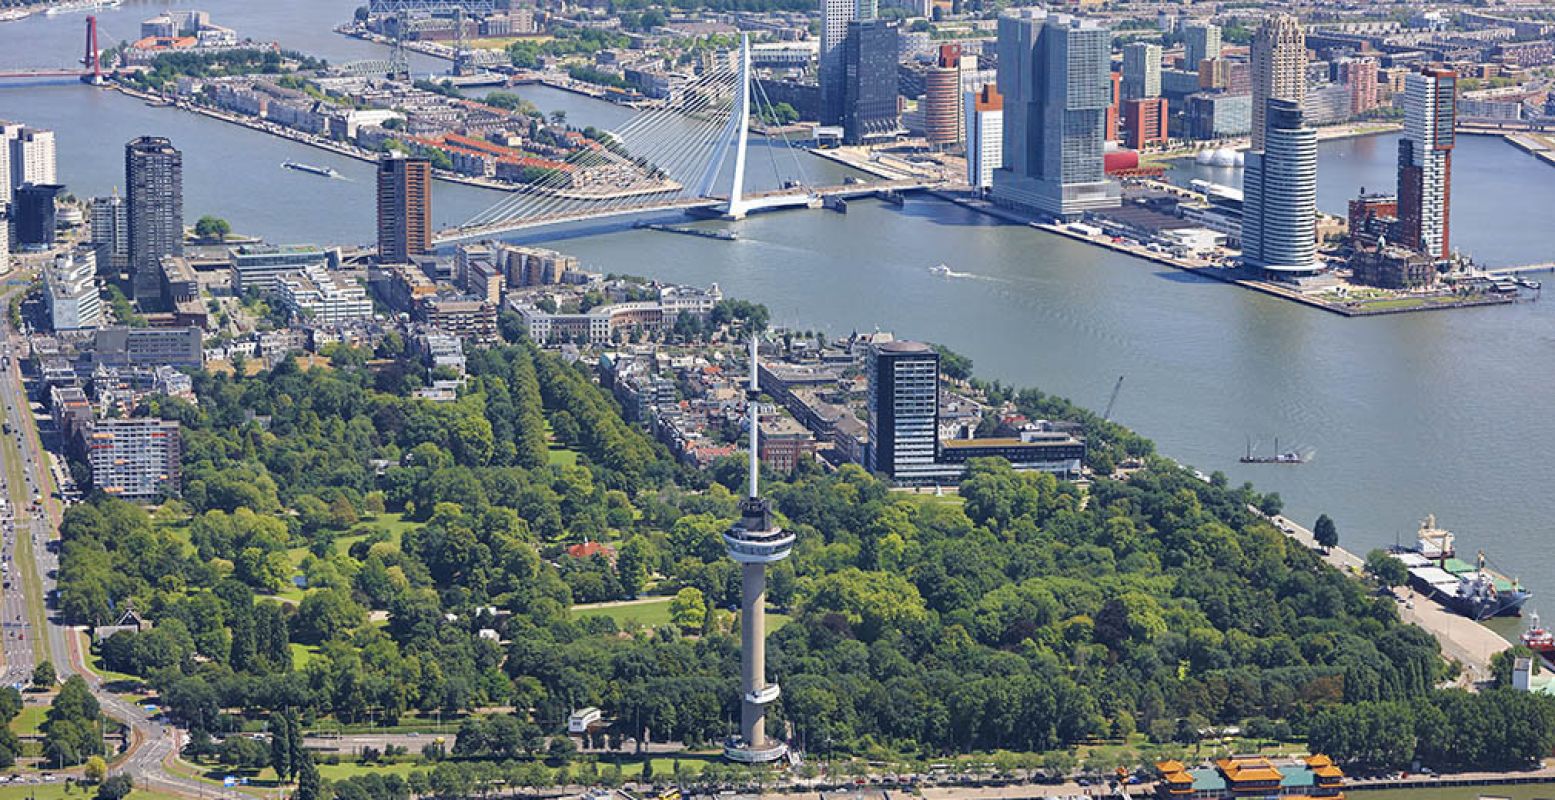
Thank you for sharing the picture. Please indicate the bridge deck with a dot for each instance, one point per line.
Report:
(767, 200)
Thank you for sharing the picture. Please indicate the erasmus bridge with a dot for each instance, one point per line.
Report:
(688, 154)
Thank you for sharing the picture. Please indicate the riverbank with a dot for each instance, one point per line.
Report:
(1327, 133)
(1533, 144)
(1209, 270)
(330, 145)
(1462, 639)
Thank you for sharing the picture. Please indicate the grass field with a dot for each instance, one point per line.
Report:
(56, 791)
(649, 611)
(302, 654)
(652, 612)
(27, 722)
(933, 499)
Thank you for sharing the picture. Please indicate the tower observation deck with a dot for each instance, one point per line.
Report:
(755, 541)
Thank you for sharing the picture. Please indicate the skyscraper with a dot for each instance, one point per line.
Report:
(1279, 187)
(111, 232)
(8, 132)
(903, 410)
(70, 295)
(1425, 160)
(835, 16)
(754, 542)
(984, 136)
(1279, 61)
(1201, 41)
(1141, 70)
(870, 81)
(1054, 73)
(154, 177)
(404, 208)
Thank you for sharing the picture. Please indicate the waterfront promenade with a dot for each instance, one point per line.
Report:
(1462, 639)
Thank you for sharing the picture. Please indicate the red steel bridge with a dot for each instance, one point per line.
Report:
(90, 71)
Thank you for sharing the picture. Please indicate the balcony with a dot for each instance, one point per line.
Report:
(764, 695)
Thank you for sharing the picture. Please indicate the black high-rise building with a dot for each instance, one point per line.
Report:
(869, 81)
(34, 213)
(154, 177)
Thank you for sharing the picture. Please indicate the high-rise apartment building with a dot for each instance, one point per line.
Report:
(1144, 122)
(70, 295)
(942, 101)
(1279, 60)
(1054, 74)
(32, 157)
(1141, 70)
(1279, 188)
(134, 459)
(835, 16)
(404, 208)
(984, 136)
(903, 410)
(154, 178)
(1425, 160)
(1359, 75)
(8, 132)
(1200, 41)
(111, 232)
(870, 81)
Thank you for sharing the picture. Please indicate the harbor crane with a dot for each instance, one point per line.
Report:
(1111, 401)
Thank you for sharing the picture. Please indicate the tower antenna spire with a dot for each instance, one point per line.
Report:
(753, 409)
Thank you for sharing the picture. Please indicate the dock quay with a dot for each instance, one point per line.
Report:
(1462, 639)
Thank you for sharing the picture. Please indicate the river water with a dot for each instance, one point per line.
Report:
(1445, 412)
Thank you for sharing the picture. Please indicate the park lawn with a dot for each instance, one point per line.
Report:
(649, 611)
(934, 499)
(94, 662)
(27, 722)
(302, 654)
(558, 455)
(56, 791)
(352, 769)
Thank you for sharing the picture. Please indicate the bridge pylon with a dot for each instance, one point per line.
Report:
(735, 135)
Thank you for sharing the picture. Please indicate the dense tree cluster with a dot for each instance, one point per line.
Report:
(1498, 729)
(1024, 616)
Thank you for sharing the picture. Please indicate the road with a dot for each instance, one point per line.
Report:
(30, 564)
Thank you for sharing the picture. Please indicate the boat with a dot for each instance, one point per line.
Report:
(328, 172)
(82, 5)
(1278, 457)
(1473, 590)
(941, 270)
(1537, 637)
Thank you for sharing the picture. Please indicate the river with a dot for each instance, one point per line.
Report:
(1444, 412)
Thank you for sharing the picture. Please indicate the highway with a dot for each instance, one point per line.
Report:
(31, 561)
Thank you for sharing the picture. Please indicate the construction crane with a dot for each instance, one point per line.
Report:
(1111, 401)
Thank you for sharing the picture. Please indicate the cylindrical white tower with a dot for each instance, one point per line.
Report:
(755, 542)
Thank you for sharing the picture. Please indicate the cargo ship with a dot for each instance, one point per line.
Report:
(328, 172)
(1473, 590)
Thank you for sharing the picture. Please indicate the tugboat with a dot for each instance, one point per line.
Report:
(327, 172)
(941, 270)
(1279, 457)
(1538, 638)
